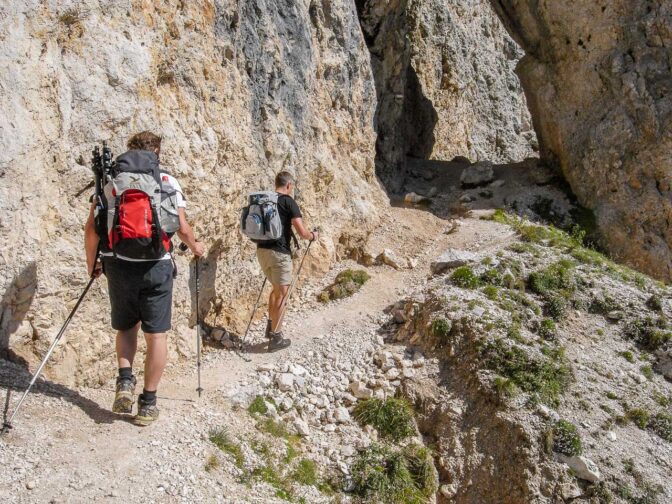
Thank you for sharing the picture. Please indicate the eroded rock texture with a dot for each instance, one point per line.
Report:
(446, 85)
(238, 89)
(598, 81)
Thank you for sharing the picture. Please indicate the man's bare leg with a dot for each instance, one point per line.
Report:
(126, 346)
(276, 304)
(155, 361)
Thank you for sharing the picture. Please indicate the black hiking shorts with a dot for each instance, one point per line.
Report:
(140, 292)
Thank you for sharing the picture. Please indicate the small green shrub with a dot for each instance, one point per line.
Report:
(566, 439)
(556, 307)
(465, 278)
(346, 284)
(558, 276)
(628, 356)
(382, 474)
(662, 399)
(440, 329)
(655, 303)
(648, 333)
(491, 292)
(221, 439)
(305, 472)
(647, 372)
(604, 304)
(491, 276)
(548, 330)
(661, 424)
(392, 418)
(640, 417)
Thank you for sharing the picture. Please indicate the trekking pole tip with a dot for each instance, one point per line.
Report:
(6, 426)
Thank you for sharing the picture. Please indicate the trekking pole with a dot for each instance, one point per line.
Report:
(254, 311)
(198, 333)
(8, 424)
(285, 299)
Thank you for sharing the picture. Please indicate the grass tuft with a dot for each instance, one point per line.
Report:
(305, 472)
(258, 406)
(640, 417)
(381, 474)
(661, 424)
(212, 463)
(548, 330)
(221, 439)
(392, 418)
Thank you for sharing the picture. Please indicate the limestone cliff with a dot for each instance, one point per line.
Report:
(238, 89)
(444, 74)
(598, 81)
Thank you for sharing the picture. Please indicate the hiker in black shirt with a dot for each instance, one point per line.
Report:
(275, 258)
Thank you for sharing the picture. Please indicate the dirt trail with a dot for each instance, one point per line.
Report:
(67, 447)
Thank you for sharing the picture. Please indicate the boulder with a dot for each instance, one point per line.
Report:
(285, 381)
(583, 467)
(388, 257)
(452, 258)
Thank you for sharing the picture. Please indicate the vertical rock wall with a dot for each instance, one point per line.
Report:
(599, 83)
(446, 85)
(238, 89)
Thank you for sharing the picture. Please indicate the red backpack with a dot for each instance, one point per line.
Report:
(129, 220)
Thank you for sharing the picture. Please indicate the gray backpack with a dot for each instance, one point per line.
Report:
(260, 219)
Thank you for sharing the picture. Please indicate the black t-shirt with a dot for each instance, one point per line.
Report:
(288, 210)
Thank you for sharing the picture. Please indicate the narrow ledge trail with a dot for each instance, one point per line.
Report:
(67, 446)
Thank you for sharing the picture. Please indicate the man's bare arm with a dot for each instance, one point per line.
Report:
(186, 234)
(303, 232)
(91, 240)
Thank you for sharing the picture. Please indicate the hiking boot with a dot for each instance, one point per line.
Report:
(147, 413)
(278, 342)
(269, 326)
(124, 397)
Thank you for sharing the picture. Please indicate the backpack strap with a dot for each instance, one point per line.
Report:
(293, 237)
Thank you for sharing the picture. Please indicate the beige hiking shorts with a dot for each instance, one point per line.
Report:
(276, 266)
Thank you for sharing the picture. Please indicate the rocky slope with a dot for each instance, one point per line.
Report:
(513, 409)
(597, 78)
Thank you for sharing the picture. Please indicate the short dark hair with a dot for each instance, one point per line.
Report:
(145, 140)
(283, 178)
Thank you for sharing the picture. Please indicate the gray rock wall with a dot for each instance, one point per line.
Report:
(598, 81)
(238, 89)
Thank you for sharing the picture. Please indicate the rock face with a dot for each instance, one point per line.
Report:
(598, 81)
(444, 74)
(239, 90)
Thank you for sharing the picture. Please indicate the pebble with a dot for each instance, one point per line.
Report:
(30, 485)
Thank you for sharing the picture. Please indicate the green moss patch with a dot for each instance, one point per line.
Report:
(346, 284)
(566, 438)
(545, 377)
